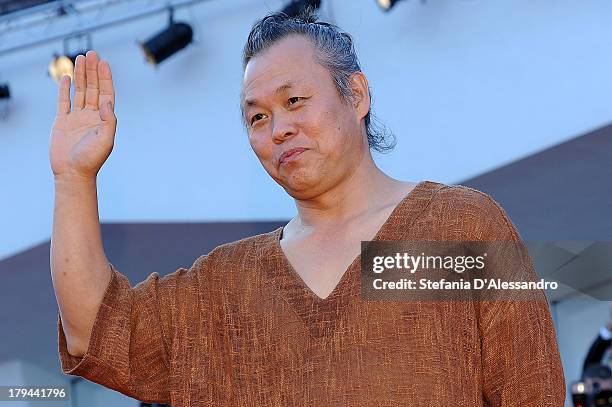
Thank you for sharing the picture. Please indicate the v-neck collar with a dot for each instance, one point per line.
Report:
(321, 314)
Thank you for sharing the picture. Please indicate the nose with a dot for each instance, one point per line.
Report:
(282, 128)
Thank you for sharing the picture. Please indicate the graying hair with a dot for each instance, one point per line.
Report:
(333, 49)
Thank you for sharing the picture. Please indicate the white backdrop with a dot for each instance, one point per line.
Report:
(465, 85)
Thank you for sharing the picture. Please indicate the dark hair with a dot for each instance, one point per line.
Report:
(333, 49)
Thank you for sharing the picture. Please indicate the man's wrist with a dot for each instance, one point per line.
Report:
(74, 186)
(73, 179)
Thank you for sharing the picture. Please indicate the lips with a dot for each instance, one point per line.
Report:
(290, 153)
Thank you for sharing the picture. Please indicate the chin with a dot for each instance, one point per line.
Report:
(299, 182)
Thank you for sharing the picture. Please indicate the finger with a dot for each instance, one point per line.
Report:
(63, 100)
(92, 92)
(107, 90)
(79, 83)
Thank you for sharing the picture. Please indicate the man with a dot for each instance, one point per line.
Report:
(277, 319)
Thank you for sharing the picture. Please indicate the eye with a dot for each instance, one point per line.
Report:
(295, 99)
(255, 117)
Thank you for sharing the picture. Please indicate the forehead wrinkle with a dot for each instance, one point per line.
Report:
(282, 88)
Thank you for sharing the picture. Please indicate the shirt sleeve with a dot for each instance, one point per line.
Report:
(129, 348)
(521, 365)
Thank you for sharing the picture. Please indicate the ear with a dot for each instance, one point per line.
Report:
(359, 86)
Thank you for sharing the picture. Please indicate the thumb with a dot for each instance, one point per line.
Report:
(109, 121)
(106, 112)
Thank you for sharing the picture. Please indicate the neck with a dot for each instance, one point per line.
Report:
(350, 198)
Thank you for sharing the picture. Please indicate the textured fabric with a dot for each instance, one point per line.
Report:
(240, 328)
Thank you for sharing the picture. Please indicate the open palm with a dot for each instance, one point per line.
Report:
(83, 134)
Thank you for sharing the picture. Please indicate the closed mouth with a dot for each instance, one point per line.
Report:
(290, 154)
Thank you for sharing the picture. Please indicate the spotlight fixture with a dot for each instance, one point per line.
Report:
(5, 93)
(167, 42)
(387, 4)
(5, 96)
(295, 7)
(63, 64)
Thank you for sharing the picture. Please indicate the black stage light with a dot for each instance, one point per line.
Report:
(387, 4)
(295, 7)
(5, 93)
(167, 42)
(5, 96)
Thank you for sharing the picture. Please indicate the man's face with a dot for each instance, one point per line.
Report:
(290, 101)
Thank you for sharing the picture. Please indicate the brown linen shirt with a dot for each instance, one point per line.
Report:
(241, 328)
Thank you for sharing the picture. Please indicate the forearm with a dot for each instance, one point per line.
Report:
(79, 267)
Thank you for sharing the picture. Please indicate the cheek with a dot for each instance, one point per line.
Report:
(336, 127)
(322, 124)
(262, 147)
(259, 145)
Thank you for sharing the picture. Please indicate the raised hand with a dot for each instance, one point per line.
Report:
(83, 135)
